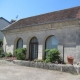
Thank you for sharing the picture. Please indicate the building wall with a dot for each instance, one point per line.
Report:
(67, 34)
(3, 24)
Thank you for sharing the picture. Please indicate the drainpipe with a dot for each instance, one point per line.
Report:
(63, 53)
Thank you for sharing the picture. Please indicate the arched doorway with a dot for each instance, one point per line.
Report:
(33, 48)
(19, 43)
(50, 43)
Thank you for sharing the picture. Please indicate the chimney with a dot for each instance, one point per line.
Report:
(12, 21)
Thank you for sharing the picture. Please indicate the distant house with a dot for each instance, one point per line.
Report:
(3, 24)
(59, 29)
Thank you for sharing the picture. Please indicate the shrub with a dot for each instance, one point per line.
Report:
(38, 60)
(9, 54)
(21, 53)
(52, 55)
(3, 54)
(24, 50)
(1, 42)
(1, 50)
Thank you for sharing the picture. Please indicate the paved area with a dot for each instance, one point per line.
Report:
(9, 71)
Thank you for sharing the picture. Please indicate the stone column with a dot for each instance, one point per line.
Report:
(40, 48)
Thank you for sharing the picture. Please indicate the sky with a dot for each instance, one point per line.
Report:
(18, 9)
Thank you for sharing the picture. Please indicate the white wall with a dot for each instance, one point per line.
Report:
(3, 24)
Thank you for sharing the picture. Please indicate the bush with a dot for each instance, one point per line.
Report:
(9, 54)
(1, 51)
(52, 56)
(3, 54)
(21, 53)
(38, 60)
(1, 42)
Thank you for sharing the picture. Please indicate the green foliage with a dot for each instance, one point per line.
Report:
(21, 53)
(24, 50)
(3, 54)
(47, 60)
(1, 42)
(1, 50)
(9, 54)
(52, 55)
(38, 60)
(47, 50)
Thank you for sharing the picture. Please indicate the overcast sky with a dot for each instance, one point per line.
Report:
(9, 9)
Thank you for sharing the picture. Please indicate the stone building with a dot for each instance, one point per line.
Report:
(59, 29)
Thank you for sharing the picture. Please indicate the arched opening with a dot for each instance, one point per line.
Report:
(33, 48)
(19, 43)
(50, 43)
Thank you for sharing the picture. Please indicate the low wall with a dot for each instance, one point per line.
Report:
(74, 69)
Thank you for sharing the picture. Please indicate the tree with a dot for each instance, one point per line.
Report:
(1, 42)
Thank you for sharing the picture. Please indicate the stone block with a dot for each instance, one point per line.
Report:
(19, 62)
(78, 70)
(70, 69)
(46, 65)
(32, 64)
(25, 63)
(40, 65)
(55, 67)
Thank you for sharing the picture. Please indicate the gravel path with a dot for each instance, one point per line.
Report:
(10, 71)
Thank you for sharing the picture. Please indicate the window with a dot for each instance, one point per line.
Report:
(51, 42)
(19, 43)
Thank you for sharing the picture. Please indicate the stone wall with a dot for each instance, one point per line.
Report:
(74, 69)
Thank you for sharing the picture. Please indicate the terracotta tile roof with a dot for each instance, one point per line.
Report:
(70, 13)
